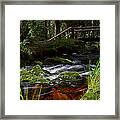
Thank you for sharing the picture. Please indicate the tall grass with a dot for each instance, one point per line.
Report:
(26, 93)
(21, 96)
(35, 96)
(93, 92)
(40, 92)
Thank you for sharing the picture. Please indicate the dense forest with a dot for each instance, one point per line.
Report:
(59, 59)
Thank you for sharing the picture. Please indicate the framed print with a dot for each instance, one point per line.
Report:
(59, 59)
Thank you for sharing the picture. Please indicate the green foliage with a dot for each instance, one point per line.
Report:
(40, 92)
(57, 60)
(24, 48)
(33, 30)
(38, 63)
(58, 47)
(37, 70)
(33, 75)
(21, 96)
(25, 53)
(68, 76)
(24, 30)
(34, 95)
(93, 92)
(65, 43)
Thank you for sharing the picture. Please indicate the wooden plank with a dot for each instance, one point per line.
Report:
(59, 34)
(88, 27)
(82, 30)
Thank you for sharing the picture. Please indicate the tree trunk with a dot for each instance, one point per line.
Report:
(46, 31)
(57, 27)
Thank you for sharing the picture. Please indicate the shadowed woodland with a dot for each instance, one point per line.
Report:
(59, 59)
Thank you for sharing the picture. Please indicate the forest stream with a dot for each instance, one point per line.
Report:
(56, 70)
(71, 76)
(59, 59)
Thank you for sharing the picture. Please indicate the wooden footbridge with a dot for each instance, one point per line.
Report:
(86, 34)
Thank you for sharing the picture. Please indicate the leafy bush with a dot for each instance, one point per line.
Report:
(66, 45)
(33, 75)
(25, 53)
(38, 63)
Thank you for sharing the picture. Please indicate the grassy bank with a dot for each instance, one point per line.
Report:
(93, 92)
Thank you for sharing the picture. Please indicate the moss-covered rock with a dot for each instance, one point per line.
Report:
(57, 60)
(70, 76)
(38, 63)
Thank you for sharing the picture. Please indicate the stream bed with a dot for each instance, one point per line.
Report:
(67, 81)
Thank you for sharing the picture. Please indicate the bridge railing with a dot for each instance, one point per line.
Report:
(65, 33)
(78, 33)
(87, 32)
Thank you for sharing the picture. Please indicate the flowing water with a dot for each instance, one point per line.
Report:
(77, 66)
(81, 64)
(56, 70)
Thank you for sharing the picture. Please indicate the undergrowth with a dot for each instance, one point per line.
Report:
(93, 92)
